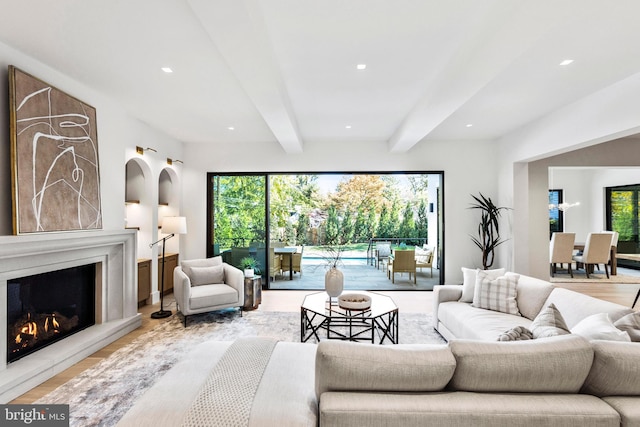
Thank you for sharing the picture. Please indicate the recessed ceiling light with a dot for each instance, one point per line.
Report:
(347, 127)
(361, 66)
(566, 62)
(231, 128)
(469, 125)
(167, 70)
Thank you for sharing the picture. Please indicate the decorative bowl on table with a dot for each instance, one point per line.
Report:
(354, 301)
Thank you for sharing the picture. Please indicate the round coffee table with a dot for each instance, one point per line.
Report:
(318, 312)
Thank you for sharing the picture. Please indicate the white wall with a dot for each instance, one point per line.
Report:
(469, 167)
(118, 135)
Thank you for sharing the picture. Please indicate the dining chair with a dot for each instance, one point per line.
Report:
(614, 243)
(561, 251)
(296, 260)
(275, 264)
(597, 250)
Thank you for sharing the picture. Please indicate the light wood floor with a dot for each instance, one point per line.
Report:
(407, 301)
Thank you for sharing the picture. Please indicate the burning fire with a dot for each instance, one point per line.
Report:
(54, 324)
(30, 328)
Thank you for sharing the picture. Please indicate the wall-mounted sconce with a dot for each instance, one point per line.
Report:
(141, 150)
(431, 207)
(171, 161)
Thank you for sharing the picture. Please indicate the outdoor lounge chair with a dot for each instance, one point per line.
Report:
(403, 261)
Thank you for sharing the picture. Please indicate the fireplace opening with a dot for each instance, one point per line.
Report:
(47, 307)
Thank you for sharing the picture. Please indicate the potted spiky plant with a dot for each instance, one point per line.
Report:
(488, 238)
(250, 266)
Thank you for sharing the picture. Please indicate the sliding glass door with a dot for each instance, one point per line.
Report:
(282, 214)
(623, 214)
(237, 218)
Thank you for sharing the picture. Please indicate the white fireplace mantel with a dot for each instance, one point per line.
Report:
(117, 310)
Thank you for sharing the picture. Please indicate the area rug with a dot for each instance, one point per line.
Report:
(101, 395)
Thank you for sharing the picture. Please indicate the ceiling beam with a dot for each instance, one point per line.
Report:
(505, 32)
(238, 30)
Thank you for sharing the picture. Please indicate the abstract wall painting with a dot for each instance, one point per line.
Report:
(55, 172)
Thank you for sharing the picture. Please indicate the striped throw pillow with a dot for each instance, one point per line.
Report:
(497, 294)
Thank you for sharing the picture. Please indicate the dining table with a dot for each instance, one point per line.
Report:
(289, 253)
(613, 260)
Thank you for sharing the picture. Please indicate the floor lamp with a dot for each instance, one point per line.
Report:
(171, 225)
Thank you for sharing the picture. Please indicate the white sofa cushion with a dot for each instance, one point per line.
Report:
(349, 366)
(465, 321)
(599, 327)
(497, 294)
(206, 275)
(575, 306)
(550, 365)
(531, 295)
(211, 296)
(469, 281)
(615, 370)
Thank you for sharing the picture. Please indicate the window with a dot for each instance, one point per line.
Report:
(622, 216)
(556, 218)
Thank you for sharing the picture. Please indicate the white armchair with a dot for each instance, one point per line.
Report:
(203, 285)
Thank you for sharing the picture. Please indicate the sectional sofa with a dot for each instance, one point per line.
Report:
(565, 380)
(455, 315)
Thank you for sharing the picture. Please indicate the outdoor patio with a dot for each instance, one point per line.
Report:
(358, 275)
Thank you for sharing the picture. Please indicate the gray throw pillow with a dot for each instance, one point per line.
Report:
(519, 333)
(549, 323)
(630, 324)
(207, 275)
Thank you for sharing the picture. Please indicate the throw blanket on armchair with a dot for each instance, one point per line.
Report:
(227, 396)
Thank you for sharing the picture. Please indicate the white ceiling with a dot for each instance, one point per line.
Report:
(285, 70)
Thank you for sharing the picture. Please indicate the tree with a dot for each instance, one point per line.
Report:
(358, 191)
(360, 227)
(290, 195)
(346, 235)
(394, 219)
(371, 223)
(332, 228)
(408, 225)
(239, 219)
(385, 227)
(302, 230)
(422, 224)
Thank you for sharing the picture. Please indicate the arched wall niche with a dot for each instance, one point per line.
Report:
(139, 203)
(168, 204)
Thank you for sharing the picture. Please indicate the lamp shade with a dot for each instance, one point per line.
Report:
(174, 225)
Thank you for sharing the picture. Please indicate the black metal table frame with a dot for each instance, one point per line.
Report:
(359, 323)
